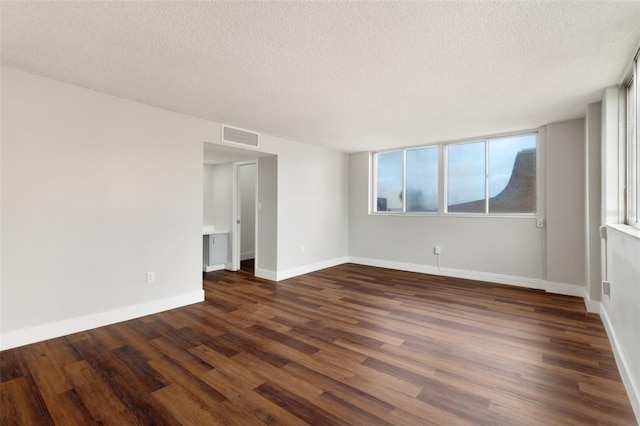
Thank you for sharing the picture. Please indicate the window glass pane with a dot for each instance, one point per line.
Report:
(632, 167)
(389, 182)
(636, 140)
(465, 177)
(422, 180)
(512, 174)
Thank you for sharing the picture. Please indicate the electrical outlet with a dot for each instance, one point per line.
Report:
(302, 249)
(437, 250)
(606, 288)
(539, 223)
(151, 277)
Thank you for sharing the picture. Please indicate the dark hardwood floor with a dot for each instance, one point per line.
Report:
(346, 345)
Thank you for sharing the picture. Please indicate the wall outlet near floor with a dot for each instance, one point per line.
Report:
(606, 288)
(151, 277)
(302, 249)
(437, 250)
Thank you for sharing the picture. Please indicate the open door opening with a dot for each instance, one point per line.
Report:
(244, 238)
(236, 183)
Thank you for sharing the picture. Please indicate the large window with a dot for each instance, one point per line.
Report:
(487, 176)
(633, 147)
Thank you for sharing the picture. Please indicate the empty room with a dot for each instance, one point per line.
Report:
(325, 213)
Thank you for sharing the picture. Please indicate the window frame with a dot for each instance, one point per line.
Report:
(374, 182)
(632, 142)
(443, 174)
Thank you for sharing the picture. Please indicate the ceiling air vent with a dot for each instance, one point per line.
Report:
(243, 137)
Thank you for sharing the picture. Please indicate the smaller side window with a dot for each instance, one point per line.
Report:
(388, 183)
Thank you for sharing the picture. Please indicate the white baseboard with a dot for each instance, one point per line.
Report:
(632, 387)
(248, 255)
(535, 283)
(25, 336)
(266, 274)
(563, 288)
(290, 273)
(211, 268)
(593, 306)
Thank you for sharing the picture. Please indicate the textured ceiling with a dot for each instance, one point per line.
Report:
(347, 75)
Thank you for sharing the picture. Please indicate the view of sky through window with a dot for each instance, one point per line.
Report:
(422, 180)
(502, 157)
(506, 166)
(466, 172)
(389, 184)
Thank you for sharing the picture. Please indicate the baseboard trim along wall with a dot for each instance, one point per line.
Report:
(266, 274)
(535, 283)
(211, 268)
(633, 388)
(248, 255)
(593, 306)
(25, 336)
(290, 273)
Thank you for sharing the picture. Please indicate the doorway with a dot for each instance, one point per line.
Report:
(244, 249)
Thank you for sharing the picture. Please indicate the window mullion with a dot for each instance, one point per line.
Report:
(404, 181)
(373, 202)
(486, 176)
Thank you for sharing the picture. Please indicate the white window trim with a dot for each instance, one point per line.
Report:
(632, 137)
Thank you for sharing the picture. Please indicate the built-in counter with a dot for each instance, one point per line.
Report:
(215, 249)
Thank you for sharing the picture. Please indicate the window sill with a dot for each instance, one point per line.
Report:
(625, 229)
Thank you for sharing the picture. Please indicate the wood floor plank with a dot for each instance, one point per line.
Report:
(345, 345)
(96, 395)
(298, 405)
(186, 409)
(249, 404)
(67, 409)
(21, 403)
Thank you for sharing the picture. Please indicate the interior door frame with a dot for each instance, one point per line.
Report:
(236, 214)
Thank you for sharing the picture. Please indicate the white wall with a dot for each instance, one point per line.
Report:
(593, 273)
(312, 208)
(222, 211)
(565, 201)
(620, 310)
(207, 195)
(247, 187)
(499, 249)
(267, 221)
(506, 248)
(98, 190)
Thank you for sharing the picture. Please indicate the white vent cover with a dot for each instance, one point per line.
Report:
(241, 136)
